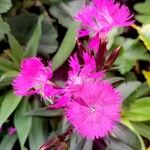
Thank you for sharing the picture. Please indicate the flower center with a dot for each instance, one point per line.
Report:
(92, 109)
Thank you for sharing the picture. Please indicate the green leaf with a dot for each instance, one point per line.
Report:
(139, 110)
(22, 26)
(44, 112)
(7, 65)
(5, 5)
(132, 51)
(127, 123)
(8, 142)
(142, 128)
(80, 145)
(9, 104)
(66, 47)
(144, 34)
(127, 88)
(33, 43)
(124, 139)
(4, 28)
(1, 99)
(5, 82)
(142, 7)
(116, 144)
(9, 74)
(37, 134)
(48, 42)
(22, 122)
(36, 139)
(65, 12)
(16, 48)
(145, 19)
(141, 91)
(113, 80)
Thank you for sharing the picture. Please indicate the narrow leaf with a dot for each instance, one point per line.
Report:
(16, 48)
(22, 122)
(142, 128)
(33, 43)
(66, 47)
(142, 91)
(8, 74)
(4, 28)
(44, 112)
(113, 80)
(116, 144)
(128, 88)
(144, 19)
(6, 65)
(5, 82)
(127, 136)
(8, 142)
(9, 104)
(139, 110)
(37, 134)
(142, 7)
(80, 145)
(36, 139)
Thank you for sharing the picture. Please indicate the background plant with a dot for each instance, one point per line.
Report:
(46, 28)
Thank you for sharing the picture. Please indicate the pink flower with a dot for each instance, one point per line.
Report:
(81, 73)
(99, 17)
(33, 78)
(60, 102)
(94, 111)
(78, 75)
(11, 130)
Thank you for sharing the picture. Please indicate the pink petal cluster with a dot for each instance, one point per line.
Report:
(33, 78)
(95, 110)
(79, 74)
(91, 104)
(99, 17)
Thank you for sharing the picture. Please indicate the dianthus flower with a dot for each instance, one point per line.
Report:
(33, 78)
(78, 75)
(99, 17)
(94, 111)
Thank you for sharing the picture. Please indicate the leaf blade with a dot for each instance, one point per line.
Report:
(16, 48)
(8, 142)
(22, 123)
(5, 5)
(33, 43)
(6, 109)
(66, 47)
